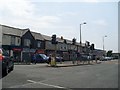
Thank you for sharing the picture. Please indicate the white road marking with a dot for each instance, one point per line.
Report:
(31, 81)
(45, 84)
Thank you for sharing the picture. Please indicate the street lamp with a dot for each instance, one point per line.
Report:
(80, 33)
(103, 41)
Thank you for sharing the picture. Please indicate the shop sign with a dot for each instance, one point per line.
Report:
(40, 51)
(17, 49)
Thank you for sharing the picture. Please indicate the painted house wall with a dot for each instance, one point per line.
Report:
(6, 39)
(49, 45)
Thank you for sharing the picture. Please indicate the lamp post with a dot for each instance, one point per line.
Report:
(103, 41)
(80, 34)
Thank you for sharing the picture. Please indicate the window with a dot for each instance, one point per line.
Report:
(39, 44)
(18, 40)
(64, 47)
(27, 42)
(12, 40)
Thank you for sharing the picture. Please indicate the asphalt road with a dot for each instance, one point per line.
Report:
(102, 75)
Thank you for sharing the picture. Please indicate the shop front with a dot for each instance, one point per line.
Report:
(14, 51)
(7, 48)
(27, 54)
(17, 54)
(66, 55)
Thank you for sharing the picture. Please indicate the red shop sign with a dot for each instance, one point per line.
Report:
(40, 51)
(17, 49)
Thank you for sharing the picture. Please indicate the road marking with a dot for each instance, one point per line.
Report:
(45, 84)
(31, 81)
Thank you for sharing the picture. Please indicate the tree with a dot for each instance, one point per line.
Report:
(109, 53)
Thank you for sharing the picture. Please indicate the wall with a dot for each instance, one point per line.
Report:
(49, 45)
(6, 40)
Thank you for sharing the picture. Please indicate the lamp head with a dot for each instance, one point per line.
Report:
(105, 35)
(84, 23)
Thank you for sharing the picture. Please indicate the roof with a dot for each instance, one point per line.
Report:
(37, 36)
(19, 32)
(24, 31)
(69, 41)
(60, 40)
(98, 50)
(13, 31)
(46, 37)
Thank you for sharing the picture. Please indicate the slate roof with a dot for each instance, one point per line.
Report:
(37, 36)
(46, 37)
(13, 31)
(19, 32)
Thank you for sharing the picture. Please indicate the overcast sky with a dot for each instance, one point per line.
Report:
(63, 18)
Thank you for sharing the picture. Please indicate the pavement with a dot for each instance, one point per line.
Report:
(67, 63)
(62, 64)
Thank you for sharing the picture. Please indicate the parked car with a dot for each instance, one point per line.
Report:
(39, 58)
(59, 59)
(106, 58)
(86, 57)
(6, 62)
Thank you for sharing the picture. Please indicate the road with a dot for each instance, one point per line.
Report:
(102, 75)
